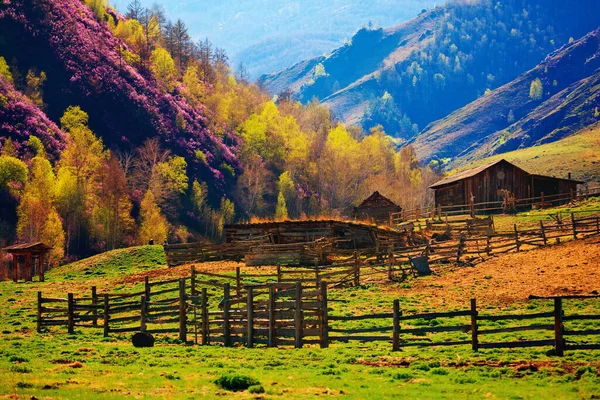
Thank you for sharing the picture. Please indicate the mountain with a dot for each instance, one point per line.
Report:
(412, 74)
(578, 154)
(85, 66)
(513, 117)
(267, 35)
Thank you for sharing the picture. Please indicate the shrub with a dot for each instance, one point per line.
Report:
(236, 382)
(256, 389)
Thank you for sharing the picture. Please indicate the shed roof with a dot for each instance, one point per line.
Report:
(464, 174)
(27, 247)
(377, 200)
(474, 171)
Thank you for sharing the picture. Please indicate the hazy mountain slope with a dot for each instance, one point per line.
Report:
(84, 67)
(424, 69)
(508, 118)
(268, 35)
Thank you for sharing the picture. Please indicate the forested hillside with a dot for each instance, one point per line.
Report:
(558, 97)
(117, 130)
(407, 76)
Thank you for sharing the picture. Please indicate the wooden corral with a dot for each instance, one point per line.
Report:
(486, 183)
(376, 208)
(27, 262)
(346, 235)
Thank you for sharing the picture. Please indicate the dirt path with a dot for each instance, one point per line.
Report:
(568, 269)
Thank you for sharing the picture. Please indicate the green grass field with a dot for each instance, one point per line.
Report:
(85, 365)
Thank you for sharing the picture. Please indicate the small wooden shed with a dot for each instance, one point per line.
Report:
(27, 262)
(377, 208)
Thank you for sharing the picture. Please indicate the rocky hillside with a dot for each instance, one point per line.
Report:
(410, 75)
(515, 116)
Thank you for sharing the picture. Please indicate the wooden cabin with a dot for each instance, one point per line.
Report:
(28, 261)
(376, 208)
(485, 184)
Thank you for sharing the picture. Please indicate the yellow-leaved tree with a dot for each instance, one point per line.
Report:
(153, 225)
(163, 67)
(38, 219)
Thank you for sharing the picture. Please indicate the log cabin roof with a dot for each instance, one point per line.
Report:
(378, 200)
(23, 247)
(474, 171)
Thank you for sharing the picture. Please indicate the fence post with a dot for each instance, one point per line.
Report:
(238, 281)
(193, 281)
(440, 212)
(94, 304)
(396, 330)
(461, 245)
(250, 316)
(488, 249)
(272, 332)
(324, 318)
(298, 316)
(143, 315)
(71, 316)
(356, 270)
(147, 288)
(278, 273)
(106, 316)
(543, 233)
(182, 312)
(474, 328)
(226, 295)
(317, 278)
(559, 341)
(517, 243)
(573, 223)
(205, 327)
(39, 312)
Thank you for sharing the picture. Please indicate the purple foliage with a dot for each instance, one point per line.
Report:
(20, 119)
(89, 54)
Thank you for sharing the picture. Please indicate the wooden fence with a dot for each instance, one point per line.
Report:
(440, 212)
(288, 314)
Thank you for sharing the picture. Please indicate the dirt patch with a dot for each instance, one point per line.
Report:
(572, 268)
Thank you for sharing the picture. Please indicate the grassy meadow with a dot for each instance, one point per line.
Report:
(85, 365)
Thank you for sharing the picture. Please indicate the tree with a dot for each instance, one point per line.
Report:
(153, 225)
(5, 70)
(241, 74)
(181, 43)
(281, 212)
(13, 172)
(134, 10)
(78, 177)
(536, 90)
(34, 87)
(37, 216)
(163, 67)
(112, 215)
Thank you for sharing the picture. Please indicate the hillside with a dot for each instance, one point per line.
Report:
(85, 66)
(578, 154)
(424, 69)
(509, 118)
(289, 31)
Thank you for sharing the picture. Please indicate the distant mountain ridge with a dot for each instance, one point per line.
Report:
(410, 75)
(508, 118)
(268, 35)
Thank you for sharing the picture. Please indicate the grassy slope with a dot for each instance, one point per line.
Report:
(578, 154)
(112, 263)
(85, 365)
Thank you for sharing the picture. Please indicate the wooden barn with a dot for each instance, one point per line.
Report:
(486, 182)
(376, 208)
